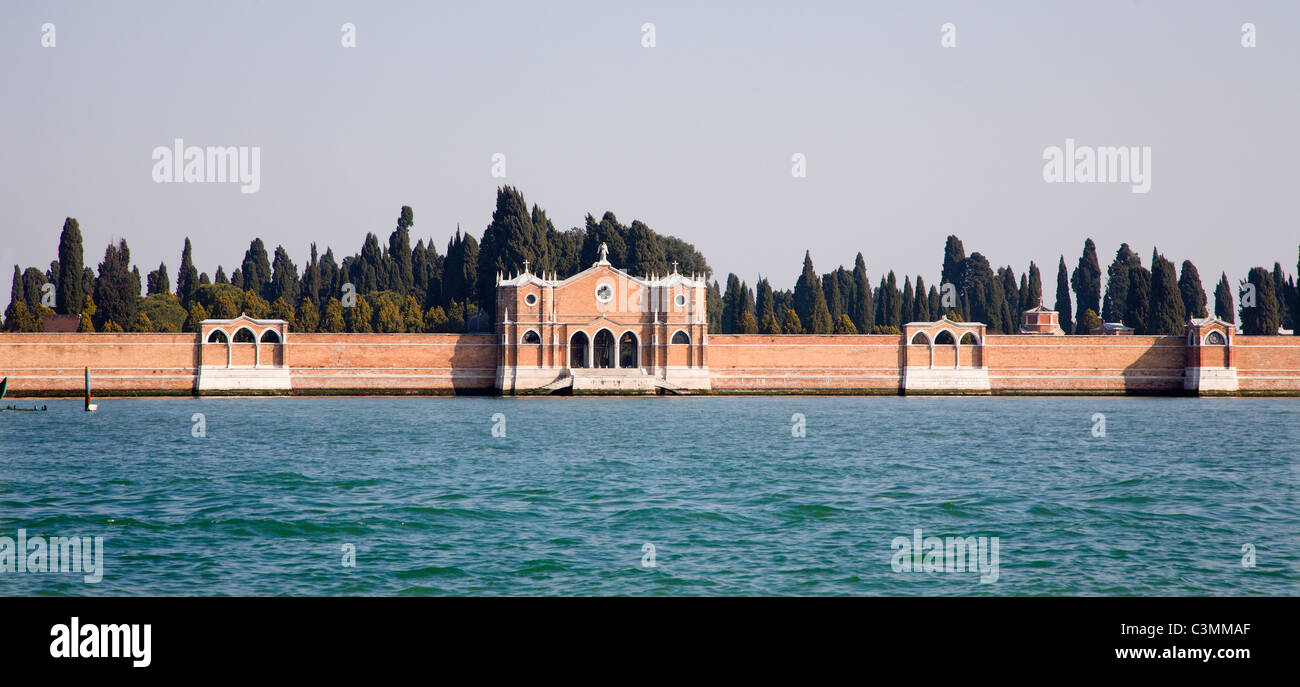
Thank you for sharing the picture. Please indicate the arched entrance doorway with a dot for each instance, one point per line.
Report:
(627, 350)
(603, 349)
(578, 350)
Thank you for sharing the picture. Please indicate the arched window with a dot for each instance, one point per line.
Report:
(1215, 339)
(217, 336)
(944, 338)
(627, 350)
(244, 336)
(603, 349)
(531, 337)
(578, 350)
(681, 337)
(270, 336)
(968, 339)
(920, 339)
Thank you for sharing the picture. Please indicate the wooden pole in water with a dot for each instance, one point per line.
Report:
(90, 407)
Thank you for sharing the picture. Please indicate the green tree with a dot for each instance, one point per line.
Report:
(187, 278)
(284, 278)
(1090, 320)
(922, 313)
(790, 323)
(412, 316)
(509, 240)
(769, 325)
(954, 258)
(256, 269)
(1167, 316)
(908, 303)
(747, 324)
(1263, 317)
(255, 306)
(1191, 291)
(164, 312)
(159, 282)
(195, 316)
(862, 309)
(844, 325)
(359, 317)
(281, 310)
(308, 316)
(117, 293)
(141, 323)
(807, 291)
(20, 319)
(1062, 306)
(435, 320)
(224, 307)
(399, 250)
(333, 322)
(1138, 313)
(71, 295)
(1223, 300)
(765, 302)
(1086, 280)
(1115, 305)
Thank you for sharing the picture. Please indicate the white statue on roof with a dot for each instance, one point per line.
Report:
(603, 254)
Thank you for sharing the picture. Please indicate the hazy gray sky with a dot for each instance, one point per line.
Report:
(906, 141)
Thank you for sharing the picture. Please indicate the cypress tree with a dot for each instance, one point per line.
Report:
(765, 303)
(935, 311)
(1086, 280)
(284, 278)
(71, 296)
(1283, 294)
(187, 279)
(399, 249)
(1115, 304)
(862, 312)
(954, 254)
(1035, 288)
(159, 281)
(891, 301)
(1264, 317)
(1138, 312)
(922, 312)
(1167, 316)
(16, 297)
(221, 276)
(732, 305)
(908, 303)
(1191, 291)
(256, 268)
(821, 315)
(117, 293)
(1062, 305)
(1011, 298)
(807, 289)
(1223, 300)
(831, 292)
(713, 305)
(33, 281)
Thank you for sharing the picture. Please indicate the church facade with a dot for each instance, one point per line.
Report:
(601, 330)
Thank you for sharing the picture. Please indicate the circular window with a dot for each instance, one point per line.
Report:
(680, 300)
(531, 299)
(604, 293)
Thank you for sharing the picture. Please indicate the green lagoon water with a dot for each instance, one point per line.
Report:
(732, 503)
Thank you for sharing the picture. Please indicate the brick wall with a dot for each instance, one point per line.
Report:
(466, 363)
(763, 362)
